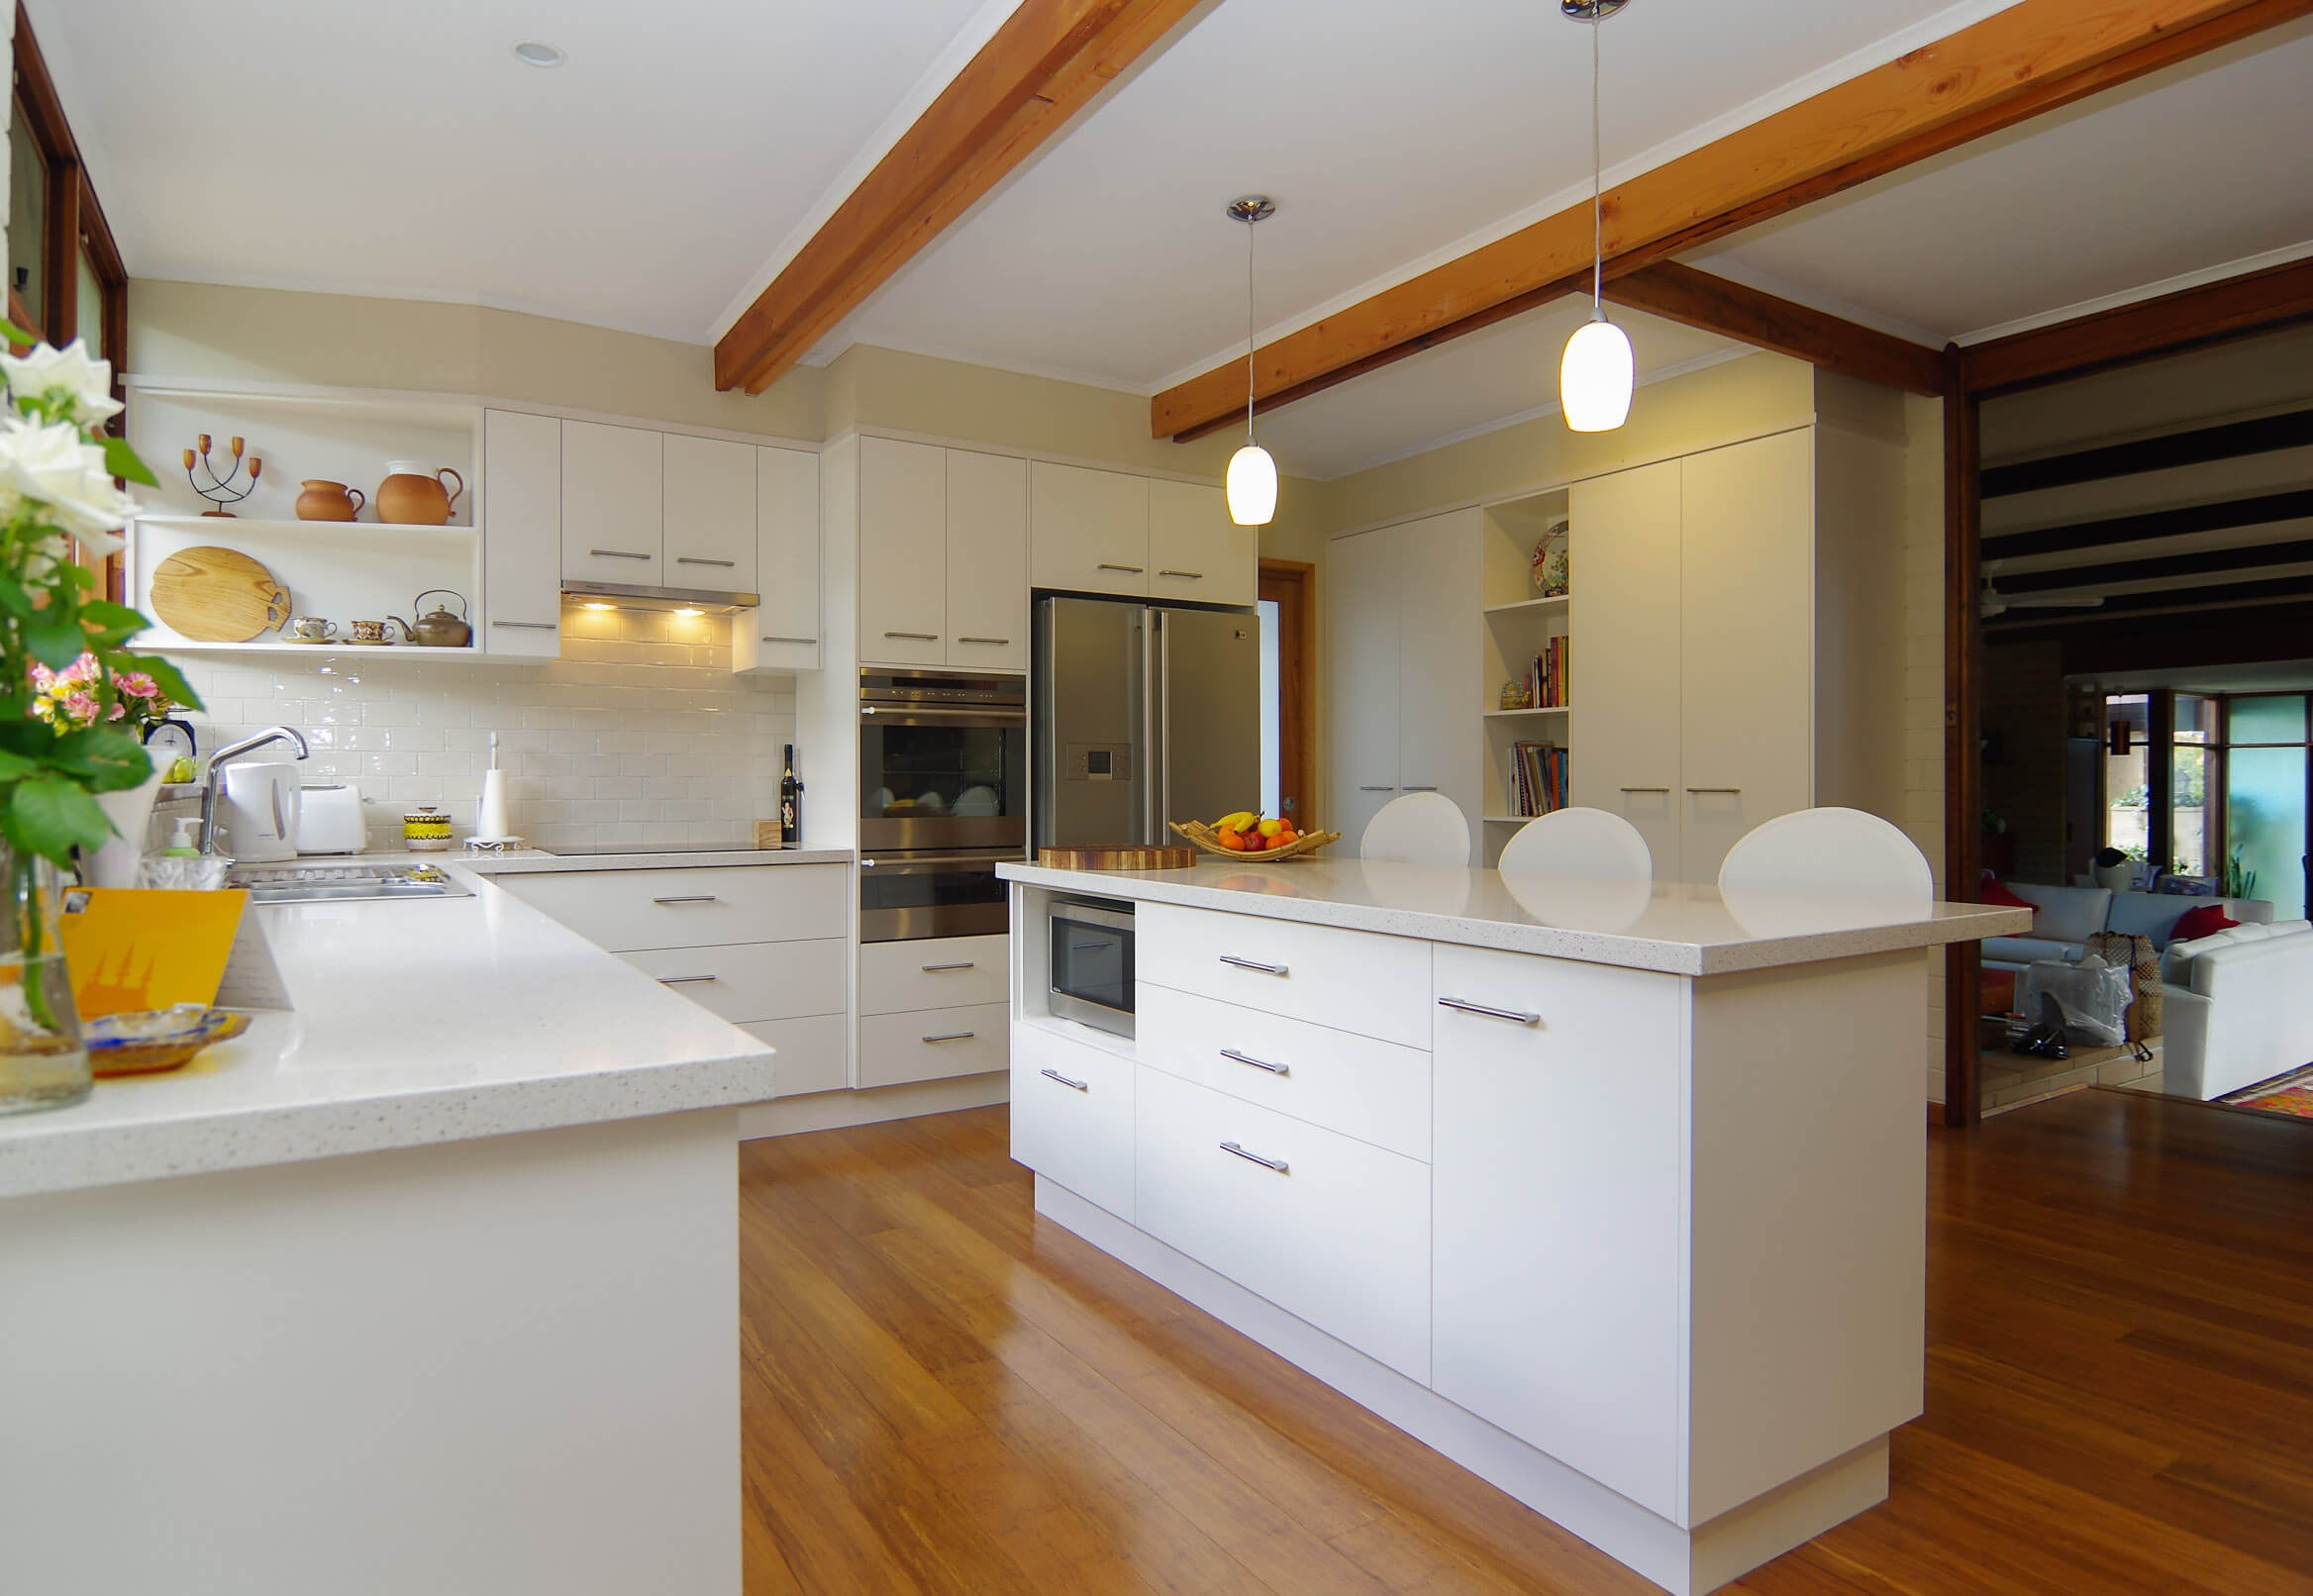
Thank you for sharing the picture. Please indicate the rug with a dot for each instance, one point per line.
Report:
(2291, 1094)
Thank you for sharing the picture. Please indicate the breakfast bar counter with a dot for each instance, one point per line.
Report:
(1614, 1194)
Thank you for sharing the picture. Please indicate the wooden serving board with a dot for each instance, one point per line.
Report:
(1116, 857)
(217, 595)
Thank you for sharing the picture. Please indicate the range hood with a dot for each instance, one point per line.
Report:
(624, 596)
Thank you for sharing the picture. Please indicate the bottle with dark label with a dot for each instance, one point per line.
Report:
(791, 803)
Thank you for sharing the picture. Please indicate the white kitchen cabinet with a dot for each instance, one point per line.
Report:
(934, 1044)
(1195, 551)
(752, 982)
(1361, 620)
(903, 552)
(931, 972)
(988, 561)
(522, 553)
(1090, 529)
(1625, 610)
(783, 632)
(613, 504)
(1071, 1116)
(1374, 986)
(708, 510)
(715, 906)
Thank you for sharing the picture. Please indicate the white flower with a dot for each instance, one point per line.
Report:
(68, 374)
(59, 469)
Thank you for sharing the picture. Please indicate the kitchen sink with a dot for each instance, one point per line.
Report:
(341, 883)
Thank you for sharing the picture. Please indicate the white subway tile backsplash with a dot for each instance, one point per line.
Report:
(638, 734)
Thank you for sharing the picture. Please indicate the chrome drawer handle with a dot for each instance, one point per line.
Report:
(616, 553)
(1377, 789)
(915, 637)
(694, 559)
(1130, 571)
(954, 1035)
(1278, 1165)
(934, 969)
(1727, 790)
(1421, 789)
(769, 638)
(1078, 1085)
(1194, 576)
(691, 898)
(996, 640)
(1252, 964)
(682, 980)
(530, 626)
(1646, 789)
(1491, 1014)
(1257, 1064)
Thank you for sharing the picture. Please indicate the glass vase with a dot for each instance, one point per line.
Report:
(43, 1063)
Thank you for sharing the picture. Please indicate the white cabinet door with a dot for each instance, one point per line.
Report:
(1090, 529)
(1072, 1116)
(1195, 551)
(783, 633)
(709, 499)
(1747, 643)
(611, 505)
(521, 550)
(1559, 1211)
(903, 552)
(1439, 665)
(934, 1044)
(987, 561)
(1624, 618)
(1363, 632)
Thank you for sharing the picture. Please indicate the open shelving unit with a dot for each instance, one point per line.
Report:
(1518, 625)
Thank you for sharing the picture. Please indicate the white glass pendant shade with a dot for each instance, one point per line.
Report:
(1252, 485)
(1595, 377)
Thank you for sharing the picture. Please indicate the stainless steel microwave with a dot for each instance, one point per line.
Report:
(1089, 974)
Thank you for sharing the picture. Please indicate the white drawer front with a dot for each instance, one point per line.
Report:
(1375, 1091)
(1341, 1236)
(939, 972)
(623, 910)
(754, 981)
(1350, 981)
(811, 1053)
(932, 1043)
(1072, 1116)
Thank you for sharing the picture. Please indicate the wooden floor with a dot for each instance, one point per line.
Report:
(945, 1395)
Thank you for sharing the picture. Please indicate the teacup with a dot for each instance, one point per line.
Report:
(314, 626)
(371, 632)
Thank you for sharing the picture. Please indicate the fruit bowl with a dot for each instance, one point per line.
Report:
(1201, 835)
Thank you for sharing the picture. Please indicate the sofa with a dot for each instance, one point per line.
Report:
(2065, 918)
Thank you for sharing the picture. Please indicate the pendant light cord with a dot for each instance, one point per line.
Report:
(1250, 227)
(1597, 180)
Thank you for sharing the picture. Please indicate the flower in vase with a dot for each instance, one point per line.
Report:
(54, 466)
(65, 382)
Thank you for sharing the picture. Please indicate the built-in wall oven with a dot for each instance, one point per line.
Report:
(943, 799)
(1089, 959)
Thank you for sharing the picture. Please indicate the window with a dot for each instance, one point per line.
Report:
(2265, 785)
(2128, 796)
(2189, 773)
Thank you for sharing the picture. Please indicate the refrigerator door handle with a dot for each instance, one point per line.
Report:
(1155, 746)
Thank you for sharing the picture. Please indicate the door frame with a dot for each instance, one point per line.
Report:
(1292, 583)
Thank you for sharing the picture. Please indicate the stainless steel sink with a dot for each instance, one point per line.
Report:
(341, 883)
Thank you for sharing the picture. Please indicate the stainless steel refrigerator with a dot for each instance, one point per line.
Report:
(1143, 714)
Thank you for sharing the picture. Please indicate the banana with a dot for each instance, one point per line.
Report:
(1242, 820)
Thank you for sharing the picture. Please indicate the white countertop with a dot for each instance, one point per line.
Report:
(415, 1022)
(1672, 927)
(532, 862)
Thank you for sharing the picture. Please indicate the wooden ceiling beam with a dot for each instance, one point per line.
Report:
(1042, 65)
(1699, 299)
(2032, 57)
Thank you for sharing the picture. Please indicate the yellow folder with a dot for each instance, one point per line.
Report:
(131, 948)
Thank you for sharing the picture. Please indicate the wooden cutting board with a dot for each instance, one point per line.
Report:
(1116, 857)
(217, 595)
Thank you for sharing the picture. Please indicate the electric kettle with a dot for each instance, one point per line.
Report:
(258, 811)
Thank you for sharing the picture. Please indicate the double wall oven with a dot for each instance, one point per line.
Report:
(943, 799)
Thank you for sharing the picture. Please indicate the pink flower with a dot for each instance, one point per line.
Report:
(135, 684)
(81, 707)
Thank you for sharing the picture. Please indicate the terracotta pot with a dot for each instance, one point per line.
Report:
(411, 496)
(328, 501)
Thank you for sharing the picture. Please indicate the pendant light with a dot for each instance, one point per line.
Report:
(1252, 475)
(1597, 371)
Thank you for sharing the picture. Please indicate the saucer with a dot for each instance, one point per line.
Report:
(370, 643)
(291, 636)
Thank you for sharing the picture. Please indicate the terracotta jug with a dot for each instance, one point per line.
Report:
(412, 496)
(328, 501)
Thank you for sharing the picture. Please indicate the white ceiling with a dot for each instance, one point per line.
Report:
(402, 150)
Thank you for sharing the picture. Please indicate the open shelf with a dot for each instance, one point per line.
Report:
(336, 651)
(340, 532)
(1536, 606)
(1513, 714)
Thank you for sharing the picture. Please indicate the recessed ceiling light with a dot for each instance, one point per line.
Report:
(690, 614)
(594, 604)
(537, 52)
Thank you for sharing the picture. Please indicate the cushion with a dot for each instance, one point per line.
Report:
(2205, 921)
(2148, 914)
(1994, 891)
(2065, 914)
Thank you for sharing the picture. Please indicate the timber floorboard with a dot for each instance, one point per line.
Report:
(943, 1395)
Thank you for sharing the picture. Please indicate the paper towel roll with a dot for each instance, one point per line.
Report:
(492, 821)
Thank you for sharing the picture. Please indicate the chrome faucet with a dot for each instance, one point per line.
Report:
(216, 771)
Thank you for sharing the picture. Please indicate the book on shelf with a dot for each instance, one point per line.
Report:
(1538, 778)
(1546, 679)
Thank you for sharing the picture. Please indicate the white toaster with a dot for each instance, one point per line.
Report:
(330, 821)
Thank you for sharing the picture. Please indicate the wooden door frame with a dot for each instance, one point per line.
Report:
(1293, 585)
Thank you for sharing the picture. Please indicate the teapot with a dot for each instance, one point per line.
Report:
(437, 628)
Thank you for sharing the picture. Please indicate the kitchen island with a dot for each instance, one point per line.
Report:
(428, 1283)
(1613, 1193)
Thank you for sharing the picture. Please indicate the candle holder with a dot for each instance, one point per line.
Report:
(219, 492)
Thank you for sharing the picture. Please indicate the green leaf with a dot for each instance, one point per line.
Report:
(165, 675)
(15, 767)
(14, 598)
(107, 614)
(102, 758)
(122, 460)
(52, 817)
(15, 334)
(55, 639)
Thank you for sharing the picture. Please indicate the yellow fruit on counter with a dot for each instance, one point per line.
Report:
(1271, 828)
(1242, 821)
